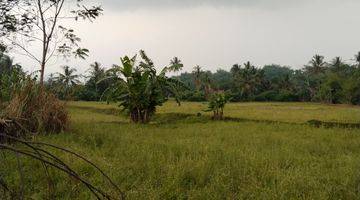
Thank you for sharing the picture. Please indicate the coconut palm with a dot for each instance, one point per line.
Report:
(96, 74)
(176, 65)
(337, 65)
(197, 72)
(96, 71)
(207, 84)
(67, 80)
(316, 66)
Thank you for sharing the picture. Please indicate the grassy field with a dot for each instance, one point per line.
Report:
(270, 153)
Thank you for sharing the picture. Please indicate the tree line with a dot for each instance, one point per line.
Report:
(319, 81)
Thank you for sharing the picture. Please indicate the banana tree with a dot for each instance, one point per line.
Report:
(217, 104)
(140, 89)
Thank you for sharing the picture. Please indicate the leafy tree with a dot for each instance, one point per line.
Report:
(352, 88)
(222, 80)
(140, 89)
(28, 23)
(247, 81)
(331, 90)
(275, 73)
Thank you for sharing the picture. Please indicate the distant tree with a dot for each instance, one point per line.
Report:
(28, 23)
(357, 59)
(197, 72)
(235, 69)
(316, 66)
(176, 65)
(274, 73)
(66, 81)
(340, 68)
(207, 83)
(188, 79)
(352, 89)
(94, 83)
(248, 80)
(222, 80)
(331, 90)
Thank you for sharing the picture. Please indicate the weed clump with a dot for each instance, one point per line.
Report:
(35, 110)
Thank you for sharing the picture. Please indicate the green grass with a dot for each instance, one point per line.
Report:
(184, 156)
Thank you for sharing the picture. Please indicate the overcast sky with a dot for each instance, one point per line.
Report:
(219, 33)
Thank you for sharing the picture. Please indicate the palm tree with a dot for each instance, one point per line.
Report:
(176, 65)
(317, 65)
(207, 84)
(197, 72)
(97, 73)
(248, 79)
(67, 80)
(336, 64)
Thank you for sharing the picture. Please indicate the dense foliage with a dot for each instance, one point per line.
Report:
(319, 81)
(11, 75)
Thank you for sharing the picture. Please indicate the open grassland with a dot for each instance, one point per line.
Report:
(185, 156)
(277, 112)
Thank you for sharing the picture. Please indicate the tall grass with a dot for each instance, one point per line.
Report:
(36, 110)
(192, 157)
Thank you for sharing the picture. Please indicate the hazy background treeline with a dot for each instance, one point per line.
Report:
(332, 81)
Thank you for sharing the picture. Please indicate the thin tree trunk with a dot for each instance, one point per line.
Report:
(42, 72)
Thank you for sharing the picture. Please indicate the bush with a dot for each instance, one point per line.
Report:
(282, 96)
(194, 96)
(286, 96)
(267, 96)
(331, 91)
(37, 111)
